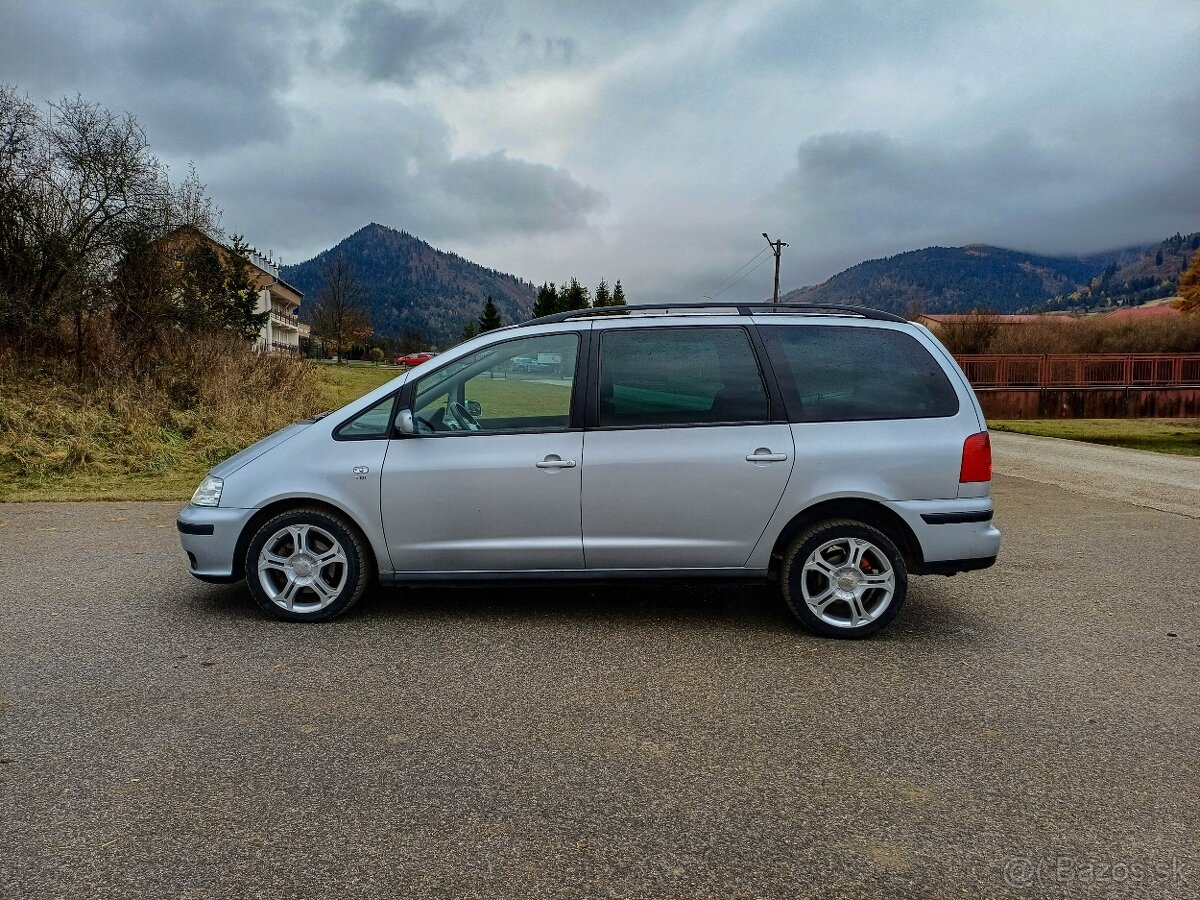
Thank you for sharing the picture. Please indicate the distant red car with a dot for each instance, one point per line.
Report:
(414, 359)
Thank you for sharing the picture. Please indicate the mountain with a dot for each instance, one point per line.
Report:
(410, 284)
(959, 279)
(1135, 277)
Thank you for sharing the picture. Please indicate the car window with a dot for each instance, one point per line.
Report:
(520, 385)
(844, 373)
(679, 376)
(372, 422)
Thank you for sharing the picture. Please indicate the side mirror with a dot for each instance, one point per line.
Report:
(404, 422)
(475, 408)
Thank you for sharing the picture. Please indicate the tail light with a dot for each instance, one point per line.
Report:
(976, 459)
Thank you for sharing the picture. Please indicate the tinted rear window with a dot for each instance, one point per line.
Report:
(694, 375)
(846, 374)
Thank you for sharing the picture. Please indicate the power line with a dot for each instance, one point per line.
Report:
(718, 289)
(727, 287)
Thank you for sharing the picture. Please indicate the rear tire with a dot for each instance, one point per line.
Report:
(844, 579)
(307, 565)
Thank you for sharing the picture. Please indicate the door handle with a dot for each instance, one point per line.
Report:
(554, 461)
(764, 454)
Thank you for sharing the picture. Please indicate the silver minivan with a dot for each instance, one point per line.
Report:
(835, 450)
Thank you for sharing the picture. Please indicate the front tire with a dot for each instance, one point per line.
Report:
(307, 565)
(844, 579)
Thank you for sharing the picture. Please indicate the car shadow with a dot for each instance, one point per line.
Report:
(933, 611)
(699, 603)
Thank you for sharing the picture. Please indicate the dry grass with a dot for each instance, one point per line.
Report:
(148, 437)
(1060, 334)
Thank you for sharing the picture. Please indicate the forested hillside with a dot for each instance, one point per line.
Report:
(1137, 276)
(410, 284)
(959, 279)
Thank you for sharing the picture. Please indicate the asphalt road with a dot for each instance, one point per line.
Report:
(1028, 731)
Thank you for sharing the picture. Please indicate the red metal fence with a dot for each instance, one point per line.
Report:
(1082, 370)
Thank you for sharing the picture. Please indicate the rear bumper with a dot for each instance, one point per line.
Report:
(955, 535)
(209, 536)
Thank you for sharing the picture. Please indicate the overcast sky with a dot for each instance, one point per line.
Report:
(652, 141)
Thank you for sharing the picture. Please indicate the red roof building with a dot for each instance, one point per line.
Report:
(1143, 312)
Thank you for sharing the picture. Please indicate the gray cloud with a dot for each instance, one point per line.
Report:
(405, 176)
(389, 43)
(199, 77)
(651, 141)
(873, 194)
(502, 193)
(847, 174)
(551, 51)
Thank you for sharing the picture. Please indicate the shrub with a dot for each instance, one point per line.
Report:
(1060, 334)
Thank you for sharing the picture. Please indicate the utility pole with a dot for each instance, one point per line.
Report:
(777, 247)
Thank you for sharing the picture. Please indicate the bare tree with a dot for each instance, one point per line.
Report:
(79, 189)
(340, 317)
(970, 333)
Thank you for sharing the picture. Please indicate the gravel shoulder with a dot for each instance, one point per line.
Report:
(1153, 480)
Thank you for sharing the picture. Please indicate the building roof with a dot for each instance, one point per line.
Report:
(252, 257)
(998, 318)
(1143, 312)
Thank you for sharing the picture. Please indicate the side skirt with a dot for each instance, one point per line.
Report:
(573, 576)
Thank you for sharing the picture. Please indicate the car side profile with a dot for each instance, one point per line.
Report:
(835, 450)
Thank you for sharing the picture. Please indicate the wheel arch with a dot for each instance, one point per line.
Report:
(282, 505)
(870, 512)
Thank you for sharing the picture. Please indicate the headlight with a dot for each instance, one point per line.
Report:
(209, 492)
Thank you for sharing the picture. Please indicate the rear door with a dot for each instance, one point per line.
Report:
(491, 481)
(874, 412)
(687, 454)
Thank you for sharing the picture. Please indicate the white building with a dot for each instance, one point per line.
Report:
(282, 330)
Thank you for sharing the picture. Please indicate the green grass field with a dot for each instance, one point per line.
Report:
(1178, 436)
(503, 398)
(345, 383)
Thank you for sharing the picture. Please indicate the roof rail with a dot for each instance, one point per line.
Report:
(743, 309)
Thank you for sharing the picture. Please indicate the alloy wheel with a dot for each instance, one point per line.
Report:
(302, 568)
(847, 582)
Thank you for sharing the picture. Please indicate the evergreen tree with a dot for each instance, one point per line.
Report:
(470, 330)
(241, 293)
(490, 320)
(547, 300)
(216, 294)
(603, 295)
(1158, 258)
(618, 295)
(573, 296)
(201, 284)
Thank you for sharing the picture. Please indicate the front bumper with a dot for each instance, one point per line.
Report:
(209, 535)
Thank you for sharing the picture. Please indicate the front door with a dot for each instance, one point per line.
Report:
(685, 466)
(491, 481)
